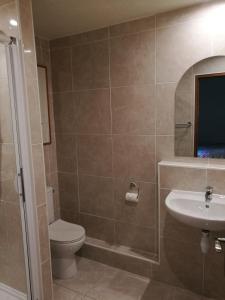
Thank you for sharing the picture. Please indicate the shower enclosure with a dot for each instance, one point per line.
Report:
(13, 248)
(18, 274)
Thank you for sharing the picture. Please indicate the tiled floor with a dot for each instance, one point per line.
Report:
(100, 282)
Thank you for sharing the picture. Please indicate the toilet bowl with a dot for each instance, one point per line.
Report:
(65, 240)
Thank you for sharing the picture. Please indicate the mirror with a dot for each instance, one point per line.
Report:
(44, 103)
(200, 110)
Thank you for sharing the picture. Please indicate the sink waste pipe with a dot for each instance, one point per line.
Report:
(205, 242)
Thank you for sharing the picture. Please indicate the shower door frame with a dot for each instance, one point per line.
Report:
(25, 178)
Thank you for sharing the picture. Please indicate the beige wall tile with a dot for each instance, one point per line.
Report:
(3, 228)
(39, 174)
(95, 155)
(65, 112)
(61, 70)
(99, 228)
(6, 134)
(164, 147)
(183, 178)
(133, 26)
(69, 215)
(133, 109)
(142, 213)
(34, 110)
(60, 42)
(214, 274)
(3, 64)
(96, 196)
(165, 97)
(94, 116)
(15, 251)
(91, 66)
(216, 179)
(89, 37)
(4, 267)
(176, 53)
(68, 191)
(132, 59)
(134, 157)
(43, 232)
(8, 192)
(52, 180)
(47, 279)
(137, 238)
(118, 260)
(8, 162)
(66, 153)
(186, 272)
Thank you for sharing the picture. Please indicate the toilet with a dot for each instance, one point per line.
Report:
(65, 240)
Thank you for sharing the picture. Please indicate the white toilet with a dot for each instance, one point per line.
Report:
(65, 239)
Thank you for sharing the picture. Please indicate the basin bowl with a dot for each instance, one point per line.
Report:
(190, 209)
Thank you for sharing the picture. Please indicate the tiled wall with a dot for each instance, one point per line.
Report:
(182, 262)
(104, 100)
(31, 82)
(114, 115)
(43, 59)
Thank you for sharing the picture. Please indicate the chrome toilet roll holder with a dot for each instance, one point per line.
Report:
(134, 188)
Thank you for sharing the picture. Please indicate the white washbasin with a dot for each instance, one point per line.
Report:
(190, 208)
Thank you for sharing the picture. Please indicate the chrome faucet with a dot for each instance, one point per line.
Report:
(208, 195)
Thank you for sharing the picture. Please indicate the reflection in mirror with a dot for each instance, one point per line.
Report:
(200, 110)
(43, 93)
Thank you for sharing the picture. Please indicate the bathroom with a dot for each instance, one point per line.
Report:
(102, 128)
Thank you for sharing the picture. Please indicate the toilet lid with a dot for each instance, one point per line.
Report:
(64, 232)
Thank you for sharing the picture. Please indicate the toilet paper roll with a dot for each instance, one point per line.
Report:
(131, 196)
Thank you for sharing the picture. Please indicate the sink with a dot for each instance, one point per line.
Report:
(190, 209)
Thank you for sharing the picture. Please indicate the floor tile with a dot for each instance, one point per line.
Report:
(61, 293)
(96, 281)
(119, 285)
(158, 291)
(85, 279)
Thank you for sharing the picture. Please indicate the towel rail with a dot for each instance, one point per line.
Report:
(184, 125)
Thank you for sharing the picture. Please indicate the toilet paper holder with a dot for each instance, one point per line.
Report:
(132, 196)
(134, 187)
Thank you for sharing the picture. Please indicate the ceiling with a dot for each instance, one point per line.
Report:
(57, 18)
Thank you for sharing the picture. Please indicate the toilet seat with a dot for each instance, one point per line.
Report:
(64, 232)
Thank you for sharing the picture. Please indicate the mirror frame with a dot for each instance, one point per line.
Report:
(197, 107)
(216, 73)
(48, 105)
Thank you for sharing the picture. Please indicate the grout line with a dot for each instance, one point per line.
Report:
(111, 123)
(156, 231)
(118, 221)
(77, 140)
(115, 87)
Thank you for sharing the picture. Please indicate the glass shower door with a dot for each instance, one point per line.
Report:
(13, 247)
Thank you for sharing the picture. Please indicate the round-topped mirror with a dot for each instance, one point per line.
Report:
(200, 110)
